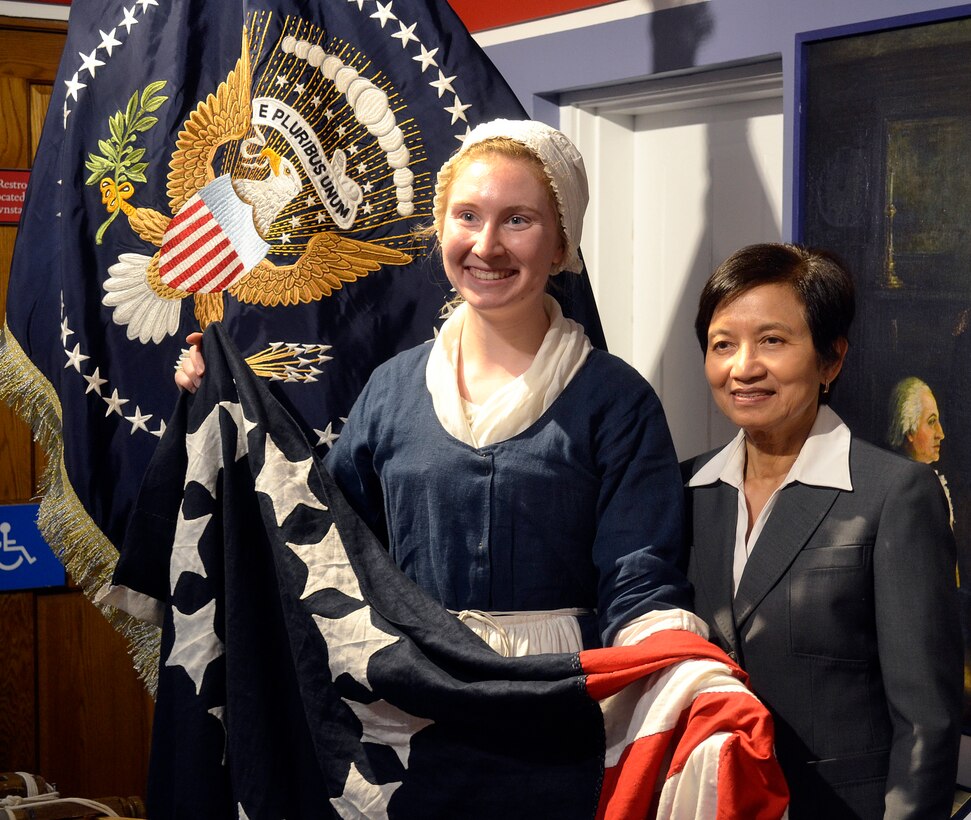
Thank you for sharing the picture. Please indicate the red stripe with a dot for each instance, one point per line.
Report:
(611, 669)
(181, 229)
(478, 15)
(177, 260)
(218, 269)
(195, 206)
(221, 258)
(231, 277)
(185, 217)
(631, 789)
(186, 230)
(748, 782)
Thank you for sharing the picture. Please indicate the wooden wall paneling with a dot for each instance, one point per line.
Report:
(30, 49)
(17, 478)
(40, 98)
(71, 706)
(17, 481)
(95, 715)
(19, 705)
(18, 696)
(13, 115)
(38, 102)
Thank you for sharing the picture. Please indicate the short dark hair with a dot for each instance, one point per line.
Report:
(816, 276)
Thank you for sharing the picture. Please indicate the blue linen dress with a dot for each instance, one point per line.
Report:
(584, 508)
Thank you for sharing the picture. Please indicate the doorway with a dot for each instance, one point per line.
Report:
(683, 170)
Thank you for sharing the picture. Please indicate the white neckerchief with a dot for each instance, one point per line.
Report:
(517, 405)
(823, 461)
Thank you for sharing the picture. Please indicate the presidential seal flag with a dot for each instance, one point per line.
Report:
(303, 675)
(263, 163)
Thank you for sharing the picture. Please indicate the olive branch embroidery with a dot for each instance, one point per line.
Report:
(120, 163)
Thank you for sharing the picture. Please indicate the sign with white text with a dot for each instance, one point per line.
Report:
(13, 187)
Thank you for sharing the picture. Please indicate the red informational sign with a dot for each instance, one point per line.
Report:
(13, 186)
(478, 16)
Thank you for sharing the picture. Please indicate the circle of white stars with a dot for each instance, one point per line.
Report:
(91, 62)
(410, 37)
(98, 384)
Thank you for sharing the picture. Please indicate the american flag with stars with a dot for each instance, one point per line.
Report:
(303, 675)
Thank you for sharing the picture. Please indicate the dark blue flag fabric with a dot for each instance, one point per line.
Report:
(265, 163)
(302, 675)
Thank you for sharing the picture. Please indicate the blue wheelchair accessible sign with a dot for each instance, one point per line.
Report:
(26, 562)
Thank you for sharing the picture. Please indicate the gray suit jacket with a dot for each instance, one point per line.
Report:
(846, 620)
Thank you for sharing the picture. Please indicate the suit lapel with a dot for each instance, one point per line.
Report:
(798, 511)
(715, 514)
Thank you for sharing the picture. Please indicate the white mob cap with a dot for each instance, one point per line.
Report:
(564, 169)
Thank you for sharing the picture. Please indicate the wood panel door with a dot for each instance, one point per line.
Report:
(71, 706)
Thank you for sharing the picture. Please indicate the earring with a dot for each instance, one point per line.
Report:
(825, 388)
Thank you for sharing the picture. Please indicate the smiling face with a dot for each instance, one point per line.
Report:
(924, 444)
(500, 235)
(762, 367)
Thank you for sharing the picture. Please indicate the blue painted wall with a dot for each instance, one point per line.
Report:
(693, 37)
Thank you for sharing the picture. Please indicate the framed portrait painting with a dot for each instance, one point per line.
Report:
(883, 178)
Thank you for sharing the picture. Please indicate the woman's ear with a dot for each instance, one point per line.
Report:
(833, 368)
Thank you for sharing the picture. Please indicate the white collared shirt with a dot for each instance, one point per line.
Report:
(823, 461)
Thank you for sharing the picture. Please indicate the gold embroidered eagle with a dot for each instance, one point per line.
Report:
(215, 241)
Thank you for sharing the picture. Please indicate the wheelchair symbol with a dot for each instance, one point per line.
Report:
(10, 545)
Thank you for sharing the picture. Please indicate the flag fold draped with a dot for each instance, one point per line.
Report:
(303, 675)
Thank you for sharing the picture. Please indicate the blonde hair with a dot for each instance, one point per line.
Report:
(494, 146)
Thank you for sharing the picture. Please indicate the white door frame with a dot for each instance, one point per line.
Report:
(636, 307)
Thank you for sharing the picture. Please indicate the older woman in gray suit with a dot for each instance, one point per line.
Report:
(824, 565)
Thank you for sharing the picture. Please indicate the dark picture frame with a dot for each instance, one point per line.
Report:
(883, 178)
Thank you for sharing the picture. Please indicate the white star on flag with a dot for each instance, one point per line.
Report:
(426, 58)
(138, 420)
(90, 62)
(108, 41)
(327, 566)
(285, 482)
(457, 110)
(383, 14)
(128, 22)
(443, 84)
(362, 799)
(114, 403)
(351, 641)
(185, 548)
(73, 86)
(75, 357)
(327, 435)
(95, 381)
(204, 449)
(388, 725)
(406, 34)
(195, 645)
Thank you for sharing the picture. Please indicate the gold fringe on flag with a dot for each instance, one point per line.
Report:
(88, 556)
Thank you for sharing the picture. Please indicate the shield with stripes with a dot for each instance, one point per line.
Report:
(211, 242)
